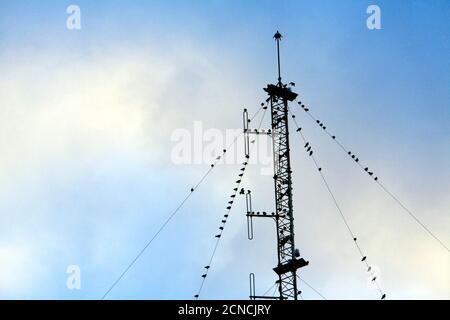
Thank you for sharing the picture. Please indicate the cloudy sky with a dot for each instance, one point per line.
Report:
(87, 125)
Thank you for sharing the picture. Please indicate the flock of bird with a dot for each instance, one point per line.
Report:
(309, 151)
(230, 202)
(353, 156)
(225, 219)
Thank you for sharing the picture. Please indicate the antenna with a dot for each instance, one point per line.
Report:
(289, 260)
(278, 37)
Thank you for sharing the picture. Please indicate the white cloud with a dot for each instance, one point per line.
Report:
(19, 269)
(69, 116)
(64, 117)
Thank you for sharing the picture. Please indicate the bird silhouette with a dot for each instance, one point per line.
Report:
(383, 296)
(218, 236)
(196, 296)
(306, 109)
(207, 267)
(364, 258)
(192, 189)
(204, 275)
(298, 130)
(334, 137)
(310, 153)
(307, 144)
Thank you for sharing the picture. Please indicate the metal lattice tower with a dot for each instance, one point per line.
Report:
(288, 256)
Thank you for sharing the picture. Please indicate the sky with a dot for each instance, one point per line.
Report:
(88, 127)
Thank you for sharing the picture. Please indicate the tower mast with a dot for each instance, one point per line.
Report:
(289, 260)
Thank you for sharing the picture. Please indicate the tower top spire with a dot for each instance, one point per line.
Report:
(277, 38)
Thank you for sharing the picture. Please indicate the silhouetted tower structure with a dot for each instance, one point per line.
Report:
(289, 260)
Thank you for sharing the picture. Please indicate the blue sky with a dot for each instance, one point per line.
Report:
(86, 119)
